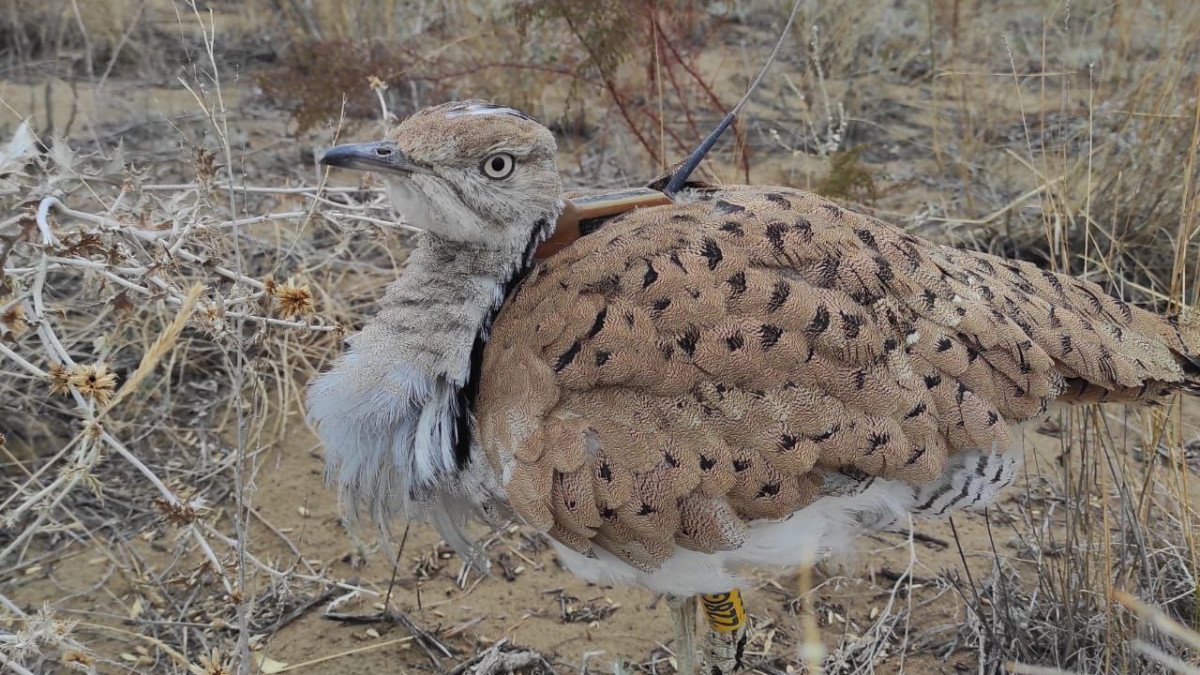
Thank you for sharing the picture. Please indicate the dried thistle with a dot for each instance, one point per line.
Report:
(60, 379)
(213, 312)
(178, 512)
(13, 319)
(293, 300)
(84, 245)
(94, 381)
(204, 162)
(43, 633)
(123, 305)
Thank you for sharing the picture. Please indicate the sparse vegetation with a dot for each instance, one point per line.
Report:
(848, 179)
(174, 268)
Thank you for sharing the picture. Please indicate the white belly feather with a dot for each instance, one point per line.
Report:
(828, 526)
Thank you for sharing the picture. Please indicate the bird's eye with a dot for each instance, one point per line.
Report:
(499, 166)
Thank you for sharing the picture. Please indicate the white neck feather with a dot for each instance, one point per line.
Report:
(389, 411)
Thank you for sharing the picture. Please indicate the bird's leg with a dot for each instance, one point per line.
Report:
(683, 616)
(725, 642)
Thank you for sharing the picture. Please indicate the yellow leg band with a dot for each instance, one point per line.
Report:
(724, 611)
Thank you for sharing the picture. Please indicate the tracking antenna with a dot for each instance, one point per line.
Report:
(693, 160)
(582, 213)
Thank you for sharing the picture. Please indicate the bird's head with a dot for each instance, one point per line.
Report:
(467, 171)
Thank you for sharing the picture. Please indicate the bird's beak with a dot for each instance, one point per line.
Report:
(377, 156)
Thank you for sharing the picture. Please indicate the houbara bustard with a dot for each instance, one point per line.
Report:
(746, 375)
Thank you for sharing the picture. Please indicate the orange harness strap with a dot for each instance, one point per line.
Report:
(603, 204)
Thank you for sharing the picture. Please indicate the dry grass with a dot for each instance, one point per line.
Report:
(170, 282)
(33, 33)
(1119, 522)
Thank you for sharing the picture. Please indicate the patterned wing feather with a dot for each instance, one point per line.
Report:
(693, 368)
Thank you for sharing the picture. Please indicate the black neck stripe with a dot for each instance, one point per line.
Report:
(468, 394)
